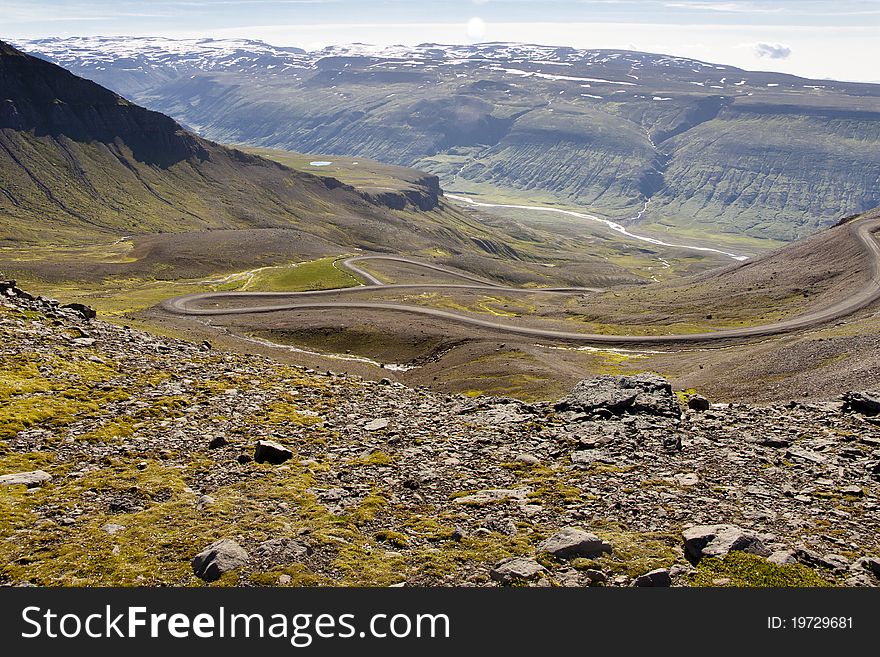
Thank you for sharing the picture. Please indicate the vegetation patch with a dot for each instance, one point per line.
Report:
(740, 569)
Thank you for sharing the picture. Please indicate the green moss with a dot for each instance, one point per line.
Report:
(369, 507)
(377, 458)
(363, 565)
(110, 430)
(51, 391)
(396, 539)
(740, 569)
(300, 575)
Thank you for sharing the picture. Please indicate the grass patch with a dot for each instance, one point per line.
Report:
(740, 569)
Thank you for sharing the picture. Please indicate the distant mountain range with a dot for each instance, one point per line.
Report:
(709, 148)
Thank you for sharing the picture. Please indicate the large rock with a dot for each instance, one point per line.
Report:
(659, 578)
(268, 451)
(573, 542)
(516, 569)
(866, 402)
(29, 479)
(220, 557)
(85, 311)
(698, 403)
(646, 394)
(718, 540)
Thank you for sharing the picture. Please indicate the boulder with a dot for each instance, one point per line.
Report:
(572, 542)
(659, 577)
(29, 479)
(871, 564)
(268, 451)
(217, 442)
(218, 558)
(642, 394)
(717, 540)
(511, 570)
(698, 403)
(783, 558)
(866, 402)
(816, 560)
(85, 311)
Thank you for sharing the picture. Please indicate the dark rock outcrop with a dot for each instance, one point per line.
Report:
(643, 394)
(866, 402)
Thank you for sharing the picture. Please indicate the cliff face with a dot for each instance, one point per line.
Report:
(48, 101)
(422, 193)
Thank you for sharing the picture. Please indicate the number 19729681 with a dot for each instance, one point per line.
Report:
(810, 623)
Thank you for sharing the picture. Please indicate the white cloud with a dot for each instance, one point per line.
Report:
(476, 28)
(771, 50)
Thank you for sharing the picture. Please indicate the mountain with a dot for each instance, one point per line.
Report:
(709, 148)
(78, 162)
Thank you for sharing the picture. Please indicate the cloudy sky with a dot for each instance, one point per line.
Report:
(813, 38)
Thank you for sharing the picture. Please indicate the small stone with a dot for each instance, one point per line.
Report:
(284, 550)
(268, 451)
(30, 479)
(783, 558)
(528, 459)
(516, 568)
(573, 542)
(491, 496)
(284, 580)
(595, 577)
(244, 459)
(112, 528)
(206, 500)
(681, 570)
(854, 491)
(698, 403)
(218, 558)
(217, 442)
(658, 577)
(377, 424)
(774, 442)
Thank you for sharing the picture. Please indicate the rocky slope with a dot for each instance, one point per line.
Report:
(712, 147)
(128, 458)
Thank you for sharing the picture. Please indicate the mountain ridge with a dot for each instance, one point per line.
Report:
(712, 148)
(78, 157)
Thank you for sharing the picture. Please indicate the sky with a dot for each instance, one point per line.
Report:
(837, 39)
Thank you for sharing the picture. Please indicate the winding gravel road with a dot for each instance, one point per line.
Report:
(862, 230)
